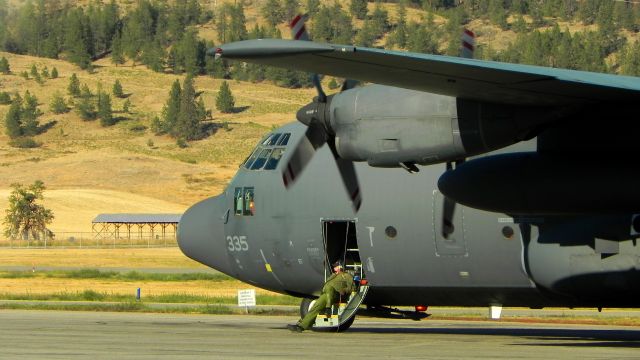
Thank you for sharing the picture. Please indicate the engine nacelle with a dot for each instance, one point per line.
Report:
(592, 261)
(386, 126)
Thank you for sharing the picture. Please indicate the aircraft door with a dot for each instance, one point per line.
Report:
(455, 243)
(341, 244)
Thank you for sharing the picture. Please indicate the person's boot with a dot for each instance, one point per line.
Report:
(295, 328)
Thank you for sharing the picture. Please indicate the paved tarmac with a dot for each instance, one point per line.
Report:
(70, 335)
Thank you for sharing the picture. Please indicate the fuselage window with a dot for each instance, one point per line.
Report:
(238, 201)
(249, 202)
(264, 155)
(274, 159)
(284, 140)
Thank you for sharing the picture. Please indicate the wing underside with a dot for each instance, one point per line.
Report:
(464, 78)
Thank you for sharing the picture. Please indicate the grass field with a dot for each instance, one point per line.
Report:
(99, 258)
(40, 284)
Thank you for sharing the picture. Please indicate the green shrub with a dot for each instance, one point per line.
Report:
(24, 143)
(137, 128)
(58, 105)
(5, 98)
(182, 143)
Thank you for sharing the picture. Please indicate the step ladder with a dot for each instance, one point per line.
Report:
(343, 312)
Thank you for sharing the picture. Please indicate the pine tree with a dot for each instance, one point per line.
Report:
(312, 7)
(117, 89)
(85, 92)
(399, 35)
(225, 101)
(5, 98)
(126, 105)
(117, 54)
(34, 71)
(201, 110)
(58, 105)
(54, 73)
(153, 56)
(273, 12)
(78, 39)
(45, 72)
(358, 9)
(74, 85)
(290, 8)
(86, 109)
(105, 112)
(171, 109)
(13, 123)
(30, 114)
(4, 66)
(187, 124)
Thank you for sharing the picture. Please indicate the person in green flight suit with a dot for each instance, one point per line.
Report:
(339, 284)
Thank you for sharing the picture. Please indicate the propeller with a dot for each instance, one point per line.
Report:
(316, 117)
(449, 205)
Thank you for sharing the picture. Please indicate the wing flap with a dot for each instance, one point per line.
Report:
(465, 78)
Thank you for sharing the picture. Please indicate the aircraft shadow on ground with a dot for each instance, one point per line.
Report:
(546, 337)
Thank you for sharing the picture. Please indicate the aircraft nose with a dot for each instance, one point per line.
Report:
(201, 233)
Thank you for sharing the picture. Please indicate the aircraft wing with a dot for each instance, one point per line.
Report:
(465, 78)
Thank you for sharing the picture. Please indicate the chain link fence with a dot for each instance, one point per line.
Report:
(135, 239)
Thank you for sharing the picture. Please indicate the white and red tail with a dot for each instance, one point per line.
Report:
(468, 44)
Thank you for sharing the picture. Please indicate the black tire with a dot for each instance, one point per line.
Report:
(305, 306)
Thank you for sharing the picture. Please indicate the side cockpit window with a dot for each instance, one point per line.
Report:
(274, 159)
(244, 201)
(266, 156)
(259, 163)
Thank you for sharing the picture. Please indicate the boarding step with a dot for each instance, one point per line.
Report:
(343, 312)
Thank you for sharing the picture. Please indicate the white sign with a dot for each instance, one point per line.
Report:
(247, 297)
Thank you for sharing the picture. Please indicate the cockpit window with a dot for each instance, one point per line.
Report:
(284, 140)
(274, 139)
(252, 158)
(273, 161)
(238, 202)
(244, 201)
(264, 155)
(249, 203)
(268, 152)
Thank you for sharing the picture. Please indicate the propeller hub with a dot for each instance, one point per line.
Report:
(316, 111)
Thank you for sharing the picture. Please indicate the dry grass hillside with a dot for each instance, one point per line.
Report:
(90, 169)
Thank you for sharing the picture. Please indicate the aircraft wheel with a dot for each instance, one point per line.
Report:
(341, 328)
(306, 305)
(347, 325)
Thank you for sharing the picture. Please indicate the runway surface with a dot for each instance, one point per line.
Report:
(66, 335)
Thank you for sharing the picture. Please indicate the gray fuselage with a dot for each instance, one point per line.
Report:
(491, 258)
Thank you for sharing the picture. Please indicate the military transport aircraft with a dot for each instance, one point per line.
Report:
(520, 184)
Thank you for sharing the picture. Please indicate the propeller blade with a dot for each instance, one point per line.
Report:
(349, 84)
(349, 177)
(299, 32)
(448, 210)
(298, 29)
(468, 44)
(315, 79)
(313, 138)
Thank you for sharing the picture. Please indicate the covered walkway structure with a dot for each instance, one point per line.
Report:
(136, 229)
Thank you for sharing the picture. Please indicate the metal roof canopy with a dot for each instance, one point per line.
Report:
(137, 218)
